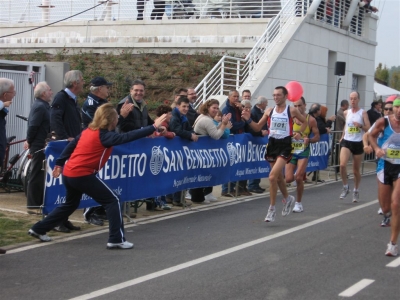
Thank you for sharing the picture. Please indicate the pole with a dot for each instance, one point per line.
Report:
(334, 126)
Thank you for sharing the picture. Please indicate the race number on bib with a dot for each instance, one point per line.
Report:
(351, 129)
(298, 146)
(393, 155)
(279, 125)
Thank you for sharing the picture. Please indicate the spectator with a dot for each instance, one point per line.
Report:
(257, 113)
(99, 92)
(234, 108)
(38, 130)
(340, 119)
(319, 111)
(80, 162)
(246, 95)
(180, 125)
(192, 114)
(374, 113)
(205, 125)
(66, 121)
(158, 11)
(139, 116)
(178, 93)
(164, 110)
(217, 122)
(7, 93)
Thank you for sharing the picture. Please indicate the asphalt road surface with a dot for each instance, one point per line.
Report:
(332, 250)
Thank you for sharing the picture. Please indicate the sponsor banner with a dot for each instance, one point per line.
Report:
(152, 167)
(319, 154)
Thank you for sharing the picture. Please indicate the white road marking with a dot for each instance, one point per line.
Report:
(206, 258)
(394, 264)
(354, 289)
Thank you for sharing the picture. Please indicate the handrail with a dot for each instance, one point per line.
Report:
(239, 77)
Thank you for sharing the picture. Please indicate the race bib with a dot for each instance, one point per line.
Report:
(351, 129)
(393, 155)
(298, 146)
(279, 125)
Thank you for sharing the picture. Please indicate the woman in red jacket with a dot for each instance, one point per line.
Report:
(86, 155)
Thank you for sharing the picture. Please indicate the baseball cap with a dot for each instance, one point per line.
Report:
(99, 81)
(396, 102)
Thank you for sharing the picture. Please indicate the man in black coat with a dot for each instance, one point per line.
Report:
(65, 119)
(375, 112)
(139, 116)
(38, 130)
(192, 114)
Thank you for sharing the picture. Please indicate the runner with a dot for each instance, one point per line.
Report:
(351, 144)
(279, 148)
(388, 149)
(301, 152)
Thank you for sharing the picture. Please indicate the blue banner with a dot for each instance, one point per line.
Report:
(152, 167)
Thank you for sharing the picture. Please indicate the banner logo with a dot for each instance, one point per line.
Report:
(157, 160)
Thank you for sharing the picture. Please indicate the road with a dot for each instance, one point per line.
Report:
(221, 252)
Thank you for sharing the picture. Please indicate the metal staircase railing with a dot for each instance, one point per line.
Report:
(233, 73)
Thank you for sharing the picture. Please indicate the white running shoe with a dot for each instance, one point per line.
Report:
(356, 196)
(380, 211)
(287, 205)
(270, 215)
(298, 207)
(124, 245)
(344, 192)
(188, 196)
(210, 197)
(392, 250)
(41, 237)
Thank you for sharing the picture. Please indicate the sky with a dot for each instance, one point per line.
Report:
(388, 34)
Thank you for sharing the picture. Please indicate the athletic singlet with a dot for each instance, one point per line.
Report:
(382, 139)
(298, 145)
(391, 145)
(351, 132)
(280, 124)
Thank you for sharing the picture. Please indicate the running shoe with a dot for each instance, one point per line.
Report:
(270, 215)
(392, 250)
(287, 205)
(385, 222)
(298, 207)
(380, 211)
(42, 237)
(210, 197)
(124, 245)
(356, 196)
(344, 192)
(188, 195)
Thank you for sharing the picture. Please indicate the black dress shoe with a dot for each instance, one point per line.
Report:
(257, 191)
(71, 226)
(61, 228)
(2, 251)
(93, 219)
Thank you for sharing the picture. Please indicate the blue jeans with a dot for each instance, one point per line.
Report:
(254, 184)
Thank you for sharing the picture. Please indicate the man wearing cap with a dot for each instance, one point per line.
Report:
(99, 92)
(387, 148)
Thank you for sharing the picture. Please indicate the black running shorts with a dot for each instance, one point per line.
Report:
(279, 148)
(356, 148)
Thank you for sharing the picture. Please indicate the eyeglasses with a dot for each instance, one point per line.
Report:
(191, 94)
(390, 109)
(297, 105)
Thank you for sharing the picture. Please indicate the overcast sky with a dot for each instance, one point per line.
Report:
(388, 35)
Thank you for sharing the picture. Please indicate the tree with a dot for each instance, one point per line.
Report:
(382, 73)
(395, 80)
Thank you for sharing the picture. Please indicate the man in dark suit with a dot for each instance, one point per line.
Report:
(192, 114)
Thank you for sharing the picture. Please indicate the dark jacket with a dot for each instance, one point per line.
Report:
(191, 115)
(89, 107)
(3, 138)
(38, 125)
(322, 124)
(65, 116)
(137, 118)
(256, 115)
(180, 125)
(238, 124)
(373, 115)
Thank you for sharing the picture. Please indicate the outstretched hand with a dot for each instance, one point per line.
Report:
(57, 171)
(126, 108)
(158, 122)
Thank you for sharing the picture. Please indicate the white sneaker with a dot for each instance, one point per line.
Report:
(210, 197)
(392, 250)
(270, 215)
(298, 207)
(42, 237)
(287, 205)
(294, 183)
(356, 196)
(205, 201)
(188, 196)
(124, 245)
(344, 193)
(380, 211)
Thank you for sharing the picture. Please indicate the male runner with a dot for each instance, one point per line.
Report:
(301, 151)
(351, 144)
(388, 149)
(279, 148)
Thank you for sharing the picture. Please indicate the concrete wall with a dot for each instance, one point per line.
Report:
(310, 57)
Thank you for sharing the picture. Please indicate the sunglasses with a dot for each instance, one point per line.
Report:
(390, 109)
